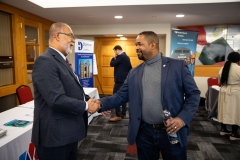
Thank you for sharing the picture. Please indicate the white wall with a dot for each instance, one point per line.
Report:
(202, 85)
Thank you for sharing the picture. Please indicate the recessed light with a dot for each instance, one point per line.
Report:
(180, 15)
(119, 35)
(123, 38)
(118, 17)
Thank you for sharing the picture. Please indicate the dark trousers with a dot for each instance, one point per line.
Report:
(67, 152)
(234, 128)
(117, 86)
(150, 142)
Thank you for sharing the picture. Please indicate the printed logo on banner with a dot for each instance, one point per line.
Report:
(84, 46)
(79, 45)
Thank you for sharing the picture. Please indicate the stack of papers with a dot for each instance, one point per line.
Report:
(216, 87)
(3, 133)
(17, 123)
(28, 105)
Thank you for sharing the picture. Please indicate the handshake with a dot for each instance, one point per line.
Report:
(94, 105)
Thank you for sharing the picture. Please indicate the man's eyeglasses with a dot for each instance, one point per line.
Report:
(68, 34)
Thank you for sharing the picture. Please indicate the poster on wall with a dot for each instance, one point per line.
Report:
(215, 43)
(84, 61)
(183, 46)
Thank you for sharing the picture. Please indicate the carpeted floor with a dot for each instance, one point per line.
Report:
(107, 141)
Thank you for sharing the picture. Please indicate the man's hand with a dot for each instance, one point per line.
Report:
(99, 103)
(174, 124)
(106, 113)
(93, 106)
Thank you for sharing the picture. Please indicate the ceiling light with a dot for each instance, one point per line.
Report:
(119, 35)
(123, 38)
(118, 17)
(180, 15)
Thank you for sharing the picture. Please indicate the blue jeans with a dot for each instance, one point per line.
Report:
(150, 142)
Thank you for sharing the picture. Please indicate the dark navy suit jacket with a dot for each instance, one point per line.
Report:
(59, 114)
(179, 95)
(121, 65)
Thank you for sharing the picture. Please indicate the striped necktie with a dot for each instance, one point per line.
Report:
(70, 65)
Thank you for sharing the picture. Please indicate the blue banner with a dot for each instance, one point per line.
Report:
(183, 46)
(84, 62)
(84, 68)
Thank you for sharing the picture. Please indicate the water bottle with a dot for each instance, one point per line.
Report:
(173, 138)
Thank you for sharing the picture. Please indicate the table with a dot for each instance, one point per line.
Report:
(213, 100)
(17, 140)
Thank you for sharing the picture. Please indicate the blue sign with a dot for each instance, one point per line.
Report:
(84, 68)
(183, 46)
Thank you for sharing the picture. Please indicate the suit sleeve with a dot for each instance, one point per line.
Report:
(114, 62)
(192, 96)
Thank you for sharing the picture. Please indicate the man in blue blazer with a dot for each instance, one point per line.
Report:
(159, 82)
(122, 65)
(60, 113)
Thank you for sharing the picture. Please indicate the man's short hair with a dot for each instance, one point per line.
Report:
(150, 37)
(117, 47)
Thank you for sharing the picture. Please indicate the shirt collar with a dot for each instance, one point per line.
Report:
(59, 53)
(154, 59)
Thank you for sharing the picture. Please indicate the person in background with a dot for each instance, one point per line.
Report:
(159, 82)
(188, 60)
(61, 106)
(122, 66)
(229, 96)
(191, 66)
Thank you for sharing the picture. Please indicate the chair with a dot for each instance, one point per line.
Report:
(212, 81)
(24, 94)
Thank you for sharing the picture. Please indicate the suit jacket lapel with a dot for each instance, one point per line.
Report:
(61, 60)
(165, 68)
(140, 79)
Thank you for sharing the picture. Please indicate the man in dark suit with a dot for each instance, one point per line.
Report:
(60, 113)
(122, 66)
(159, 82)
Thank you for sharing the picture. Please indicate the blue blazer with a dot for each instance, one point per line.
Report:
(121, 65)
(59, 114)
(179, 95)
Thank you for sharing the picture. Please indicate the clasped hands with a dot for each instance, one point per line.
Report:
(94, 105)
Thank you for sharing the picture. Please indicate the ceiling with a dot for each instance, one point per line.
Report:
(195, 14)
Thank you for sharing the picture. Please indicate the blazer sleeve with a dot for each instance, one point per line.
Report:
(114, 62)
(192, 96)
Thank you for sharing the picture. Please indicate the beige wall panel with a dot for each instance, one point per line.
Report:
(207, 71)
(107, 71)
(107, 90)
(107, 50)
(108, 81)
(106, 60)
(131, 50)
(135, 61)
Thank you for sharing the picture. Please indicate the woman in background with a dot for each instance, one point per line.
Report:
(229, 96)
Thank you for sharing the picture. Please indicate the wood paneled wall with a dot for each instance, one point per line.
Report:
(207, 71)
(18, 19)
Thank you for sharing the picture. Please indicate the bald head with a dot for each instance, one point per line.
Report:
(61, 38)
(55, 28)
